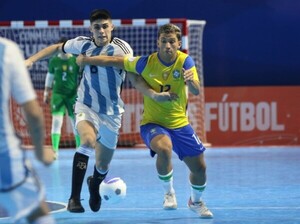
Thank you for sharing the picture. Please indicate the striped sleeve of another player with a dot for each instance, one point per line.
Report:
(124, 46)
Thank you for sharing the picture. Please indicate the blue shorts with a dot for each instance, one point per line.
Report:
(184, 140)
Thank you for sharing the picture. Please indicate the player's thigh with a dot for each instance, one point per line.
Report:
(186, 143)
(87, 124)
(87, 133)
(161, 144)
(70, 102)
(108, 136)
(156, 137)
(57, 104)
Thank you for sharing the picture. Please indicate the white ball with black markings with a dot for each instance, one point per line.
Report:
(113, 190)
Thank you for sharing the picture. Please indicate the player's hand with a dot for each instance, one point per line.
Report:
(28, 63)
(46, 157)
(164, 96)
(188, 75)
(80, 60)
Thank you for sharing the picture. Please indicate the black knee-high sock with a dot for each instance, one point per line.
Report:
(80, 163)
(98, 178)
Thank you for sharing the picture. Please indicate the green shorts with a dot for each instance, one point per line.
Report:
(61, 103)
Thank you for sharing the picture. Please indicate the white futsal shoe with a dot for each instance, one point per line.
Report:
(170, 201)
(201, 209)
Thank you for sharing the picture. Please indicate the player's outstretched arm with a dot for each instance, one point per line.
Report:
(101, 60)
(43, 54)
(142, 86)
(35, 123)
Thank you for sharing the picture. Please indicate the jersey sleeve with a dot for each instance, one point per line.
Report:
(77, 45)
(21, 85)
(190, 64)
(135, 64)
(121, 48)
(50, 66)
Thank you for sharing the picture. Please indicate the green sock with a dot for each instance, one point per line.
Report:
(55, 141)
(77, 139)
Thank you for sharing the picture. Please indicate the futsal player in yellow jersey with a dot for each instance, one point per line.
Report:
(164, 77)
(164, 126)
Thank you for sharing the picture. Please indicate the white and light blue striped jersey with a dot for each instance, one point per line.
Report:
(100, 87)
(14, 82)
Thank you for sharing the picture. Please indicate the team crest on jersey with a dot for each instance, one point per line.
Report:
(64, 67)
(176, 74)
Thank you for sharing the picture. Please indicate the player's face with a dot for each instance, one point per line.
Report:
(102, 31)
(168, 44)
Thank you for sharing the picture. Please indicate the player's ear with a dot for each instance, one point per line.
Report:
(90, 28)
(112, 27)
(179, 44)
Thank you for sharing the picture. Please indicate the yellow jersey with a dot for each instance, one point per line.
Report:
(164, 77)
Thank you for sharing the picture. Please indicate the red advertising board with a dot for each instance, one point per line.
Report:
(252, 115)
(234, 116)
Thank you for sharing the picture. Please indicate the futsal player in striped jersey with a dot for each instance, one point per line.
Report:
(99, 107)
(168, 70)
(21, 193)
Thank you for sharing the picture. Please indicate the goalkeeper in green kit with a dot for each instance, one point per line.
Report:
(62, 78)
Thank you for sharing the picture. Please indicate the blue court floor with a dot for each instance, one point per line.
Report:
(245, 185)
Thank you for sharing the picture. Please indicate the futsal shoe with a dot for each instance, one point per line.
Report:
(75, 206)
(170, 202)
(201, 209)
(95, 199)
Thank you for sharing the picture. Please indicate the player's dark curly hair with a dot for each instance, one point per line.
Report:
(99, 14)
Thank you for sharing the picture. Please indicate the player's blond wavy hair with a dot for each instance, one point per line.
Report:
(170, 28)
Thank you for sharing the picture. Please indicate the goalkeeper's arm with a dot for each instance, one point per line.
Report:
(48, 86)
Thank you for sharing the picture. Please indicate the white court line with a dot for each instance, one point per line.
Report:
(211, 208)
(186, 208)
(182, 208)
(60, 203)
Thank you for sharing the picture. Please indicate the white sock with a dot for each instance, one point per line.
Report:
(196, 192)
(167, 182)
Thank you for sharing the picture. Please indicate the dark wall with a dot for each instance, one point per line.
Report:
(246, 43)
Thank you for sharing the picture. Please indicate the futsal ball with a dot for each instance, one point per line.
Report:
(113, 190)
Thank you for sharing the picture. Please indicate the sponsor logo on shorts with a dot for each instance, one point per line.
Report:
(152, 131)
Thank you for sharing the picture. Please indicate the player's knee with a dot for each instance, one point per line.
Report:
(88, 140)
(164, 150)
